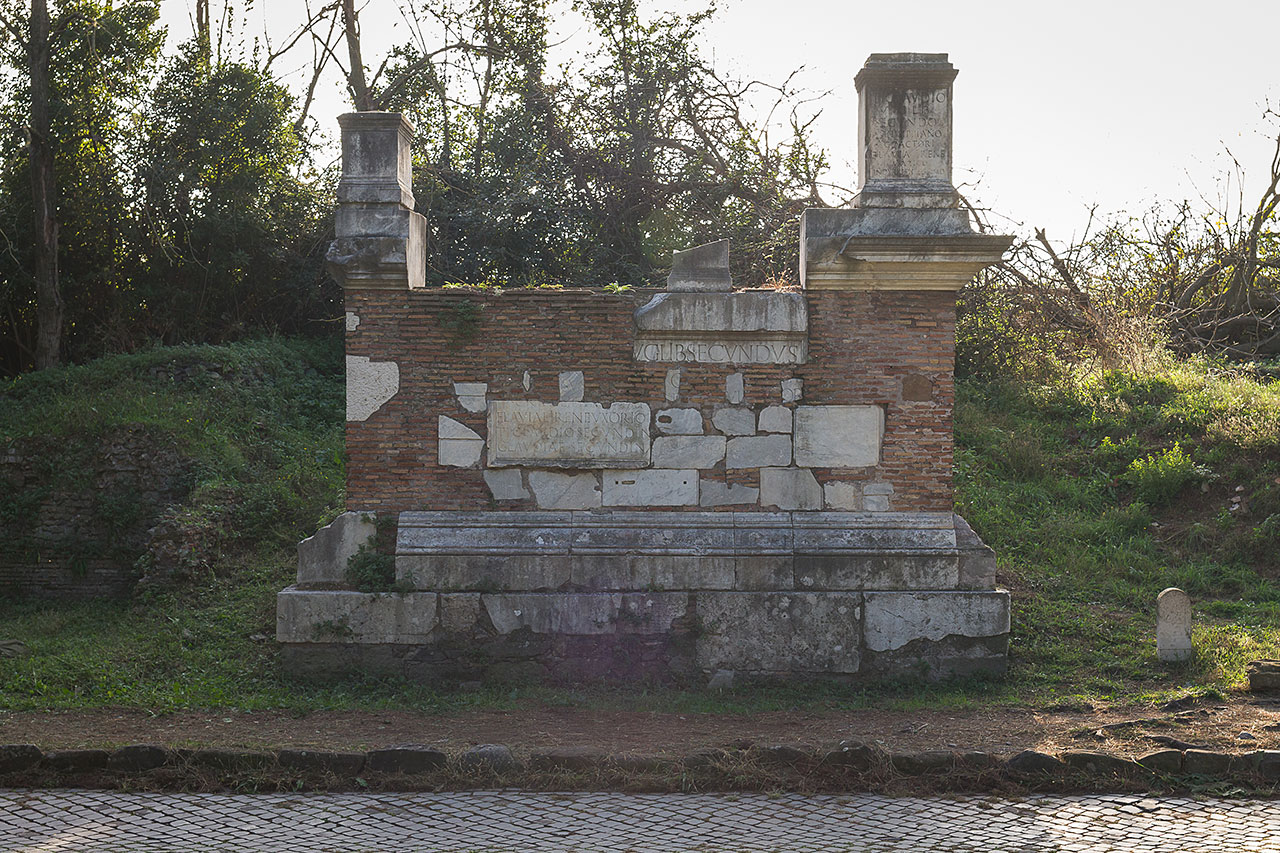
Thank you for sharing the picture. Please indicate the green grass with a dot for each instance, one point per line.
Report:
(1043, 472)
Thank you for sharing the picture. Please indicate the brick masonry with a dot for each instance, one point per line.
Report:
(864, 348)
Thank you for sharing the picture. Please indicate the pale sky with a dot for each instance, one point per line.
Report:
(1057, 106)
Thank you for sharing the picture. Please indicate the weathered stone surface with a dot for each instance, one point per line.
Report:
(552, 490)
(792, 390)
(679, 421)
(671, 385)
(656, 572)
(506, 484)
(775, 419)
(760, 451)
(788, 488)
(1031, 763)
(688, 451)
(860, 757)
(650, 487)
(381, 240)
(15, 757)
(717, 493)
(721, 679)
(345, 764)
(755, 327)
(409, 759)
(77, 760)
(1162, 761)
(734, 388)
(904, 131)
(1173, 625)
(231, 760)
(353, 321)
(317, 616)
(734, 421)
(322, 557)
(779, 632)
(452, 572)
(764, 573)
(459, 612)
(1266, 763)
(703, 268)
(1098, 763)
(458, 445)
(977, 561)
(842, 496)
(572, 386)
(574, 759)
(138, 757)
(838, 436)
(1264, 675)
(873, 570)
(370, 384)
(1202, 762)
(739, 313)
(894, 619)
(585, 613)
(568, 435)
(488, 758)
(923, 763)
(783, 755)
(916, 388)
(472, 396)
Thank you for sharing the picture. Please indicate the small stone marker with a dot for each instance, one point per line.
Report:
(1173, 625)
(703, 268)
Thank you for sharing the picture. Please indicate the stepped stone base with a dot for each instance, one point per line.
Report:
(666, 596)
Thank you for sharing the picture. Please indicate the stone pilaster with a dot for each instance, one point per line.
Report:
(380, 240)
(905, 229)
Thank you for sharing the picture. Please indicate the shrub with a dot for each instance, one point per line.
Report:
(1158, 478)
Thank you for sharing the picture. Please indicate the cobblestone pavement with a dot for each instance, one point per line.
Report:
(501, 821)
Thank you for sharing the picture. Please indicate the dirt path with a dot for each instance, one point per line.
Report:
(999, 730)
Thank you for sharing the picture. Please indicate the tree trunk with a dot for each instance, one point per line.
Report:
(355, 77)
(204, 38)
(49, 305)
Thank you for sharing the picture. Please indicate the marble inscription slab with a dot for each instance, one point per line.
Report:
(568, 435)
(790, 350)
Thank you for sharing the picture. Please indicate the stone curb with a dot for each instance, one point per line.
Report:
(850, 763)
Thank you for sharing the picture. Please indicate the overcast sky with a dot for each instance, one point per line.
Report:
(1057, 106)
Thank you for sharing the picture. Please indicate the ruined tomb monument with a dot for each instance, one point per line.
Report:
(582, 485)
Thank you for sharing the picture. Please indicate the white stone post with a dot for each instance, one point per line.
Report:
(1173, 625)
(380, 240)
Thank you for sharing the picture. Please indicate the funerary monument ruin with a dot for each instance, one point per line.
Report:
(667, 484)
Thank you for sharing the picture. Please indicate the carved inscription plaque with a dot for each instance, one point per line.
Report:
(781, 350)
(568, 435)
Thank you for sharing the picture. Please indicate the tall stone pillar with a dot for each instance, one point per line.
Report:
(905, 229)
(380, 240)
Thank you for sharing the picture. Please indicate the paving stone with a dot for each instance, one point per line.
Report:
(488, 758)
(1203, 762)
(18, 756)
(338, 763)
(231, 759)
(1163, 761)
(507, 821)
(408, 758)
(138, 757)
(77, 760)
(572, 758)
(1098, 763)
(922, 763)
(1029, 762)
(857, 756)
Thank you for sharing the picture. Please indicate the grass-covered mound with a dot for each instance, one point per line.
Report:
(1096, 490)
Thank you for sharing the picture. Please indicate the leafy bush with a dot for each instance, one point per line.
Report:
(371, 571)
(1159, 477)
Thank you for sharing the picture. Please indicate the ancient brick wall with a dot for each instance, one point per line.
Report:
(892, 349)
